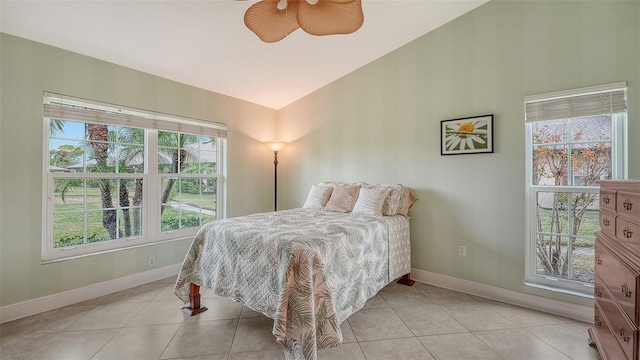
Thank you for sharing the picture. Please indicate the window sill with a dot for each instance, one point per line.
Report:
(560, 290)
(79, 256)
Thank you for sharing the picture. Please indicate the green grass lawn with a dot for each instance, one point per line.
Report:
(68, 222)
(590, 224)
(207, 201)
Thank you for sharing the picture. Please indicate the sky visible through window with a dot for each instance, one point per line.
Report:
(71, 130)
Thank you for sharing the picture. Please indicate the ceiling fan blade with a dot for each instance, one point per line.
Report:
(269, 22)
(328, 17)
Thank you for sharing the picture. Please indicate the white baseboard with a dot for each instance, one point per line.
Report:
(65, 298)
(556, 307)
(50, 302)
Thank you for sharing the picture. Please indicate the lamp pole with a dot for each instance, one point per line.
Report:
(275, 180)
(275, 146)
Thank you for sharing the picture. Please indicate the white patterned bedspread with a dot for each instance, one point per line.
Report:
(309, 270)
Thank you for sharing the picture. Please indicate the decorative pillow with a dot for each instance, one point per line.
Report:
(343, 198)
(394, 200)
(370, 201)
(409, 198)
(318, 197)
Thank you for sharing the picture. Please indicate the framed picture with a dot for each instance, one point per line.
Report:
(471, 135)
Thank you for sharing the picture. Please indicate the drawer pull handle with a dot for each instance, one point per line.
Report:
(597, 321)
(598, 260)
(626, 291)
(627, 204)
(627, 233)
(624, 336)
(605, 199)
(606, 222)
(597, 292)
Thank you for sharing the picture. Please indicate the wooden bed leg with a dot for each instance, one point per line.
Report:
(194, 307)
(406, 280)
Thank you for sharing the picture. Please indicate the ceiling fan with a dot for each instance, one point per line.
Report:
(273, 20)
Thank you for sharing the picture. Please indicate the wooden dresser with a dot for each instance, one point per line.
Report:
(617, 271)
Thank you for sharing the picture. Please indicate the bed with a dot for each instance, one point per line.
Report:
(309, 269)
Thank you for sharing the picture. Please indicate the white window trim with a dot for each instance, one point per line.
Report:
(619, 170)
(149, 121)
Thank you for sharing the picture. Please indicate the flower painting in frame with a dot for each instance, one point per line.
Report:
(471, 135)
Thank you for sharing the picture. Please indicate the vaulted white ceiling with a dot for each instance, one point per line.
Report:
(205, 43)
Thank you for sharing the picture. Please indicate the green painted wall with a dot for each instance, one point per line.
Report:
(381, 124)
(27, 69)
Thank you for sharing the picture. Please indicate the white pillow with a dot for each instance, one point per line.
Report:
(395, 199)
(318, 197)
(370, 201)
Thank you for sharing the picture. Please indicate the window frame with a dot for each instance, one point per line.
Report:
(151, 232)
(156, 206)
(619, 170)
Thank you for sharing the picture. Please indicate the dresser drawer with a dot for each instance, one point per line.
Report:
(621, 326)
(608, 200)
(607, 344)
(628, 204)
(627, 231)
(608, 222)
(618, 278)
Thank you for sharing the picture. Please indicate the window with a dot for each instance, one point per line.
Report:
(574, 138)
(187, 165)
(119, 177)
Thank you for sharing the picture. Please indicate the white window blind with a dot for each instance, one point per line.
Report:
(592, 101)
(58, 106)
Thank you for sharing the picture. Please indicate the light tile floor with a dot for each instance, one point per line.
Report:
(401, 323)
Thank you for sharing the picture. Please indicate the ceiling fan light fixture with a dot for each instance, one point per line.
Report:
(282, 5)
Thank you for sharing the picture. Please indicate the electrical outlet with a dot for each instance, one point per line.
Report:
(462, 250)
(152, 261)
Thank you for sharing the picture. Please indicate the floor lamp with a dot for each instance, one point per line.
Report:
(275, 146)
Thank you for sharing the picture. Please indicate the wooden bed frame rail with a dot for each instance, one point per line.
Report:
(196, 308)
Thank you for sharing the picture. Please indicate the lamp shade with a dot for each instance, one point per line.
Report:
(275, 145)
